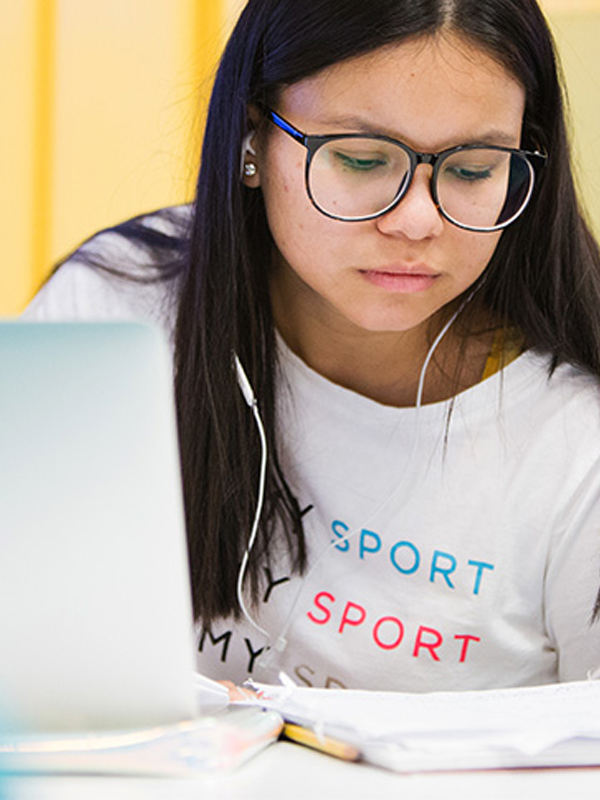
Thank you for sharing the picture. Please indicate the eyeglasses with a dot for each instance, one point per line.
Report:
(354, 177)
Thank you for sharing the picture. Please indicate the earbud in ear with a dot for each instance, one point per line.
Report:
(247, 144)
(248, 169)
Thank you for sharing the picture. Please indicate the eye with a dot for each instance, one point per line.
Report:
(476, 166)
(467, 173)
(359, 163)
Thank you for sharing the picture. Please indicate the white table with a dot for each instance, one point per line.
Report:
(292, 772)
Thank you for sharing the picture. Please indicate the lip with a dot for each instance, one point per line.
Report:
(405, 279)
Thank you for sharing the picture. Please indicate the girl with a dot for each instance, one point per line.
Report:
(386, 241)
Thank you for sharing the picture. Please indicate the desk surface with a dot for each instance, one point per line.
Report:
(291, 772)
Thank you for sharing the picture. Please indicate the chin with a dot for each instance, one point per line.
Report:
(387, 323)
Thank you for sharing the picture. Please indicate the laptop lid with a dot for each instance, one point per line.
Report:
(95, 611)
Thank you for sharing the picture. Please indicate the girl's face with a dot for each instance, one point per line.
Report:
(393, 273)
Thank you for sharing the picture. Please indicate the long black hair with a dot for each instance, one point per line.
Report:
(544, 276)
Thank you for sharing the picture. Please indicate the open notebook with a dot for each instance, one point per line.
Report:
(96, 627)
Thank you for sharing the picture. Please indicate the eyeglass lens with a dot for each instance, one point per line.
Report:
(479, 188)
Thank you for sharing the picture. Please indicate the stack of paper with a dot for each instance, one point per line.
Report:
(557, 725)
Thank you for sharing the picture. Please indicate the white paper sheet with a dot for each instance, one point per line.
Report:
(539, 726)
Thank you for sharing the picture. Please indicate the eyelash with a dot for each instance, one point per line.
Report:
(360, 165)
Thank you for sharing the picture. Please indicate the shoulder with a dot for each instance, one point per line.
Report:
(560, 401)
(129, 271)
(137, 242)
(533, 388)
(546, 421)
(566, 391)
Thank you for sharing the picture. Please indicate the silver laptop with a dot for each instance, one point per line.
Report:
(95, 612)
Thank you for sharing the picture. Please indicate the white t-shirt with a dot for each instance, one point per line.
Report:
(474, 552)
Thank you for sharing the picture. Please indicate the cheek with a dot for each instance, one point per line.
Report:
(475, 252)
(301, 241)
(282, 177)
(298, 229)
(283, 193)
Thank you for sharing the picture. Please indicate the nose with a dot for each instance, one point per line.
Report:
(416, 216)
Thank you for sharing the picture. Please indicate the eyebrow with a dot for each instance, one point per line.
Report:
(356, 124)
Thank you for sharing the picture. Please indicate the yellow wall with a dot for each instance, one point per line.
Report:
(576, 27)
(101, 102)
(17, 58)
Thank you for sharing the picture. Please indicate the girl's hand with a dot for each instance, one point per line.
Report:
(238, 692)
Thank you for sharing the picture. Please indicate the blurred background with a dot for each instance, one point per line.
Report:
(103, 103)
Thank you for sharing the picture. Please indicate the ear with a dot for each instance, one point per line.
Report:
(248, 163)
(249, 168)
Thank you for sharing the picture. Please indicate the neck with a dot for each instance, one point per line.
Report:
(386, 366)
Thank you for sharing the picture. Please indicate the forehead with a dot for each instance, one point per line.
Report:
(429, 92)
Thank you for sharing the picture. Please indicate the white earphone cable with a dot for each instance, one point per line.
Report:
(281, 642)
(248, 393)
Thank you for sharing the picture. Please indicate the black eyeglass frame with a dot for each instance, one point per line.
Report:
(313, 143)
